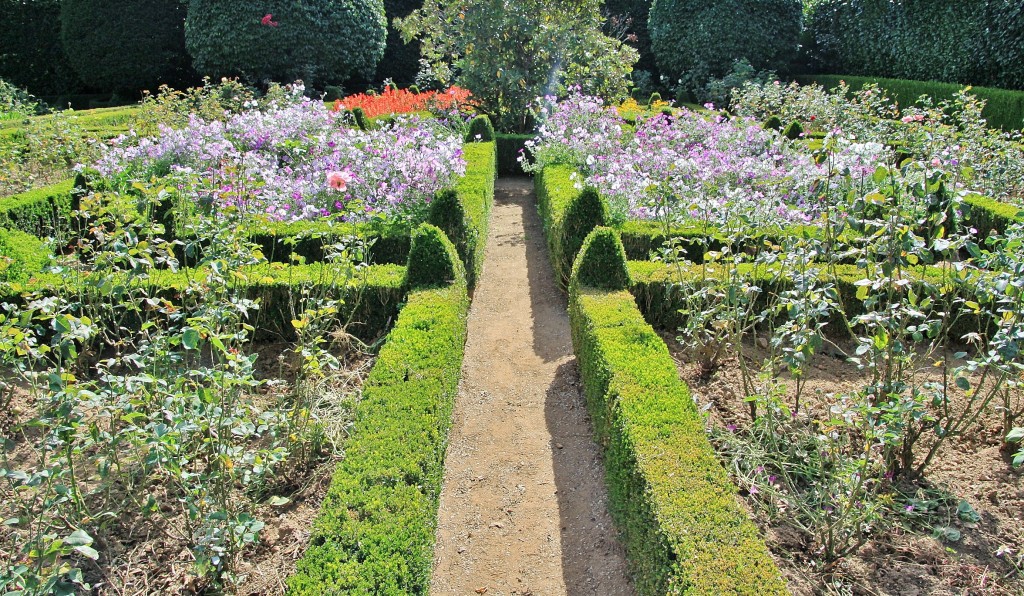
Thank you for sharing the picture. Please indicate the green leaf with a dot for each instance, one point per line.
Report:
(78, 538)
(88, 552)
(1015, 436)
(276, 501)
(963, 383)
(967, 513)
(190, 339)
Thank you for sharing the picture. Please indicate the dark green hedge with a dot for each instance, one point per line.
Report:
(638, 13)
(695, 40)
(568, 216)
(509, 148)
(372, 300)
(41, 211)
(375, 531)
(684, 529)
(21, 256)
(126, 45)
(31, 52)
(977, 42)
(318, 42)
(1003, 108)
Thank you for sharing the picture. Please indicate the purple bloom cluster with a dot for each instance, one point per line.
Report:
(278, 163)
(691, 166)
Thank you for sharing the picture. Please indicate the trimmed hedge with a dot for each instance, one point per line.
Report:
(509, 148)
(695, 40)
(1003, 108)
(433, 260)
(375, 531)
(21, 256)
(568, 216)
(31, 52)
(126, 45)
(684, 530)
(969, 41)
(481, 127)
(318, 42)
(373, 299)
(601, 263)
(40, 211)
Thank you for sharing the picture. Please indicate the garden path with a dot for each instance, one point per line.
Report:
(524, 506)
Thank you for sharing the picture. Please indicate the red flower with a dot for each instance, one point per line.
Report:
(268, 20)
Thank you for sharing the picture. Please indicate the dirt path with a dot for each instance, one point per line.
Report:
(524, 506)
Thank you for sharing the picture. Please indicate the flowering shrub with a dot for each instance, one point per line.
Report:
(296, 161)
(403, 101)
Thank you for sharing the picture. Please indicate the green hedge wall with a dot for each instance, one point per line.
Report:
(31, 52)
(22, 255)
(1003, 108)
(694, 40)
(372, 300)
(684, 530)
(321, 42)
(126, 45)
(509, 146)
(375, 531)
(568, 216)
(977, 42)
(40, 211)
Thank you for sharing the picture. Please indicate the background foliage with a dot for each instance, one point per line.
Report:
(125, 45)
(508, 53)
(971, 42)
(323, 42)
(695, 40)
(31, 51)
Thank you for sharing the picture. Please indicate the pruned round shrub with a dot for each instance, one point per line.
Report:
(480, 127)
(31, 52)
(602, 262)
(125, 45)
(433, 260)
(695, 40)
(285, 41)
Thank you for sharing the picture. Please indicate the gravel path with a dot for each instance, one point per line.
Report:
(524, 505)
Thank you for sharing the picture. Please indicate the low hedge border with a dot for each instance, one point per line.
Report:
(1003, 109)
(39, 211)
(375, 532)
(568, 215)
(684, 530)
(658, 294)
(22, 255)
(374, 297)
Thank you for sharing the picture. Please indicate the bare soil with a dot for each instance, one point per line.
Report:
(906, 561)
(524, 506)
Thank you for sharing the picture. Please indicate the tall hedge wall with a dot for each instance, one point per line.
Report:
(319, 42)
(125, 45)
(977, 42)
(693, 40)
(31, 51)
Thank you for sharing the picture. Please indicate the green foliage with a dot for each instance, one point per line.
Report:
(601, 262)
(694, 41)
(464, 214)
(401, 60)
(675, 504)
(568, 215)
(21, 255)
(509, 53)
(1003, 108)
(375, 531)
(653, 99)
(480, 127)
(510, 147)
(325, 42)
(360, 117)
(970, 42)
(31, 52)
(16, 103)
(627, 19)
(433, 260)
(773, 123)
(793, 130)
(125, 45)
(40, 211)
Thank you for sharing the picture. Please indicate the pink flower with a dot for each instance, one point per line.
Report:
(268, 21)
(338, 180)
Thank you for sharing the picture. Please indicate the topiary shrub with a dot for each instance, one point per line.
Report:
(125, 45)
(31, 52)
(284, 41)
(433, 260)
(793, 131)
(360, 117)
(695, 40)
(480, 127)
(601, 263)
(772, 123)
